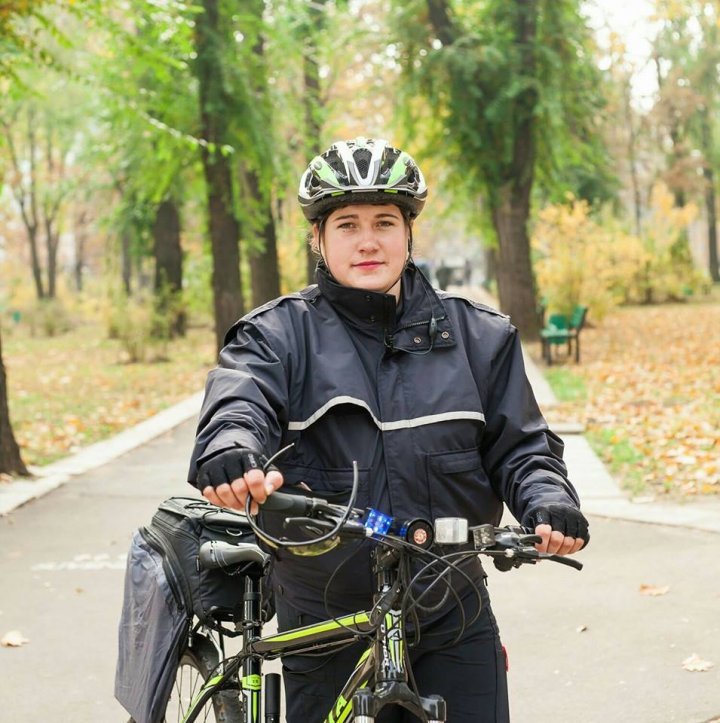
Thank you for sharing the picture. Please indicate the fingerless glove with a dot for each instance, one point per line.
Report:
(563, 518)
(228, 466)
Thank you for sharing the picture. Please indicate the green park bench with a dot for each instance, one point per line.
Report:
(562, 329)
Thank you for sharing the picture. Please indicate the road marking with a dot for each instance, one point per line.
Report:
(84, 562)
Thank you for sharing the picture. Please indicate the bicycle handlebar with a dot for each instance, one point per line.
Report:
(508, 546)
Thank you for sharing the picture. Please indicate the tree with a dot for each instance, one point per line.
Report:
(14, 45)
(687, 61)
(214, 104)
(10, 459)
(513, 93)
(40, 139)
(258, 167)
(168, 265)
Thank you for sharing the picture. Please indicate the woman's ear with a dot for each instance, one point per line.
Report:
(315, 239)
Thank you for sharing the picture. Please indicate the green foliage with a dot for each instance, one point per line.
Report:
(482, 88)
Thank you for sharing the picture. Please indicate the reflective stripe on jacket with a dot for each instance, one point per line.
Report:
(429, 397)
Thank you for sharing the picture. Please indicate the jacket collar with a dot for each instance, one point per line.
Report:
(417, 323)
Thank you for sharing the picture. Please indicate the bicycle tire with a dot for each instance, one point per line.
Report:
(197, 664)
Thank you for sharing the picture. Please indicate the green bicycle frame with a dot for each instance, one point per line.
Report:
(387, 649)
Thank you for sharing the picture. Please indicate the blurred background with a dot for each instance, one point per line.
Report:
(150, 152)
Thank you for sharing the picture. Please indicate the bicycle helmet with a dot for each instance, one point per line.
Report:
(363, 170)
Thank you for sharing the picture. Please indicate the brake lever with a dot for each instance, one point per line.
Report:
(563, 560)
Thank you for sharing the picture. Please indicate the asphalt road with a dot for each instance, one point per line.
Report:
(584, 646)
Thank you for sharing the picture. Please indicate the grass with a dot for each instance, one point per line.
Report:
(566, 385)
(622, 458)
(71, 390)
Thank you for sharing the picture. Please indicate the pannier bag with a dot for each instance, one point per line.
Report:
(164, 588)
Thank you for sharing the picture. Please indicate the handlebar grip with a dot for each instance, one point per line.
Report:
(295, 505)
(216, 554)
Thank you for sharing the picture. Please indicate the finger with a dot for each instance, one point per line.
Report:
(579, 544)
(567, 545)
(239, 489)
(228, 497)
(211, 496)
(556, 541)
(544, 531)
(273, 481)
(255, 481)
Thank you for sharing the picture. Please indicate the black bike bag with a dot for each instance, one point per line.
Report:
(178, 528)
(166, 590)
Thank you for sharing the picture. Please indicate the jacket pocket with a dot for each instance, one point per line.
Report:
(331, 484)
(459, 487)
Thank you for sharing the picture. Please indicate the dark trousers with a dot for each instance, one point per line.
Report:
(470, 675)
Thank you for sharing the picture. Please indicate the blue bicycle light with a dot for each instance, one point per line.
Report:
(378, 522)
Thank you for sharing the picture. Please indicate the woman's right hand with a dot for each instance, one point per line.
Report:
(228, 478)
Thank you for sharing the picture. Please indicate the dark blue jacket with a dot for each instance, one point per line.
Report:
(429, 396)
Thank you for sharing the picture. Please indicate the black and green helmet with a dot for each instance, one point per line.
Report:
(363, 170)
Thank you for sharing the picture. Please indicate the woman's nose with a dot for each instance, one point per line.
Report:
(368, 238)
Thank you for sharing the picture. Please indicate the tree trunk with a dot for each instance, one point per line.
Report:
(223, 225)
(510, 196)
(516, 287)
(126, 260)
(10, 459)
(167, 251)
(313, 101)
(81, 240)
(264, 269)
(710, 203)
(51, 245)
(511, 207)
(632, 158)
(35, 261)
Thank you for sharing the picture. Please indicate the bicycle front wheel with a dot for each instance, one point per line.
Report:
(197, 664)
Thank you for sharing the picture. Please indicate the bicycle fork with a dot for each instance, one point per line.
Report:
(391, 684)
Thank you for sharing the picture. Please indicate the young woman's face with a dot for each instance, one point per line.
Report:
(365, 246)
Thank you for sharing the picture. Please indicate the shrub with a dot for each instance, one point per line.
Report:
(582, 261)
(48, 317)
(140, 327)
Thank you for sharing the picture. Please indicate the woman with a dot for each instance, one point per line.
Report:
(425, 390)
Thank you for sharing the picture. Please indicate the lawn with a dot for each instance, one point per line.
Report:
(74, 389)
(648, 391)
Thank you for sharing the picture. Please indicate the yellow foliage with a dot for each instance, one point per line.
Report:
(581, 261)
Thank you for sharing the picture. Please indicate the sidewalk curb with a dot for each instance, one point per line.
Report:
(19, 491)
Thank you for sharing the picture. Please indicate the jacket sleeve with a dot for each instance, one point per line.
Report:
(522, 457)
(246, 399)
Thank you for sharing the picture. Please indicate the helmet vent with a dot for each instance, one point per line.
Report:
(362, 159)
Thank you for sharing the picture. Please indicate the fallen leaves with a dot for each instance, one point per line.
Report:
(654, 590)
(652, 375)
(68, 392)
(695, 664)
(13, 639)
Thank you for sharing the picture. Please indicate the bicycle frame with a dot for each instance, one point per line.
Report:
(381, 665)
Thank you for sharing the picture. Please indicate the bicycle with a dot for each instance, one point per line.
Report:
(209, 683)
